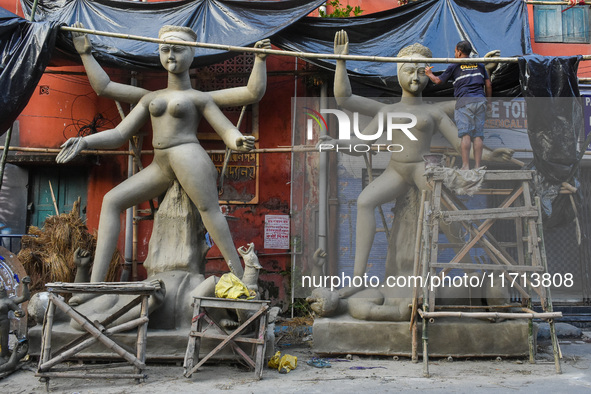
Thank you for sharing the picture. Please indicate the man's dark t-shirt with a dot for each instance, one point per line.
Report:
(468, 81)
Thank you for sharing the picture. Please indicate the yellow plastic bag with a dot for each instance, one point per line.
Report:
(229, 286)
(287, 363)
(283, 364)
(274, 361)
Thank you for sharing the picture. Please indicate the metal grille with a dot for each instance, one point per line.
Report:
(229, 74)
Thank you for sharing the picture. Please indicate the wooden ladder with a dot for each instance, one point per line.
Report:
(520, 273)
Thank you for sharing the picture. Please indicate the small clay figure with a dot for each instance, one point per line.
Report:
(7, 305)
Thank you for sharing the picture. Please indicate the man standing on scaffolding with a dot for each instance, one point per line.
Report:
(472, 88)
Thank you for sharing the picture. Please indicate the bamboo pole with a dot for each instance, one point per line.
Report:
(425, 272)
(84, 375)
(415, 290)
(306, 55)
(57, 211)
(497, 315)
(278, 149)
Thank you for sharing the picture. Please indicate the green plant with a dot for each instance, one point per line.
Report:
(340, 11)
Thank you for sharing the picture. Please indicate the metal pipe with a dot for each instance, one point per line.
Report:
(323, 178)
(291, 193)
(5, 155)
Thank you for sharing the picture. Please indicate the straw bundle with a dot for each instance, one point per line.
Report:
(49, 257)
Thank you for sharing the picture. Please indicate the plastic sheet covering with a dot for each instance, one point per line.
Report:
(25, 49)
(437, 24)
(555, 120)
(227, 22)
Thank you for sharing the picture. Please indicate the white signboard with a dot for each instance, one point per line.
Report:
(276, 231)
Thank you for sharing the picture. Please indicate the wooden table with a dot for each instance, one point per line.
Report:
(202, 306)
(96, 331)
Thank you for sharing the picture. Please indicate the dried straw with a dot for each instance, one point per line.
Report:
(49, 257)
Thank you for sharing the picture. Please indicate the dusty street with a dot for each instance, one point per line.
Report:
(361, 374)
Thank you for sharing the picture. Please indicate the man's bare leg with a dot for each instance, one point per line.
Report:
(465, 145)
(478, 146)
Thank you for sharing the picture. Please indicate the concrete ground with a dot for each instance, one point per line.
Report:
(360, 374)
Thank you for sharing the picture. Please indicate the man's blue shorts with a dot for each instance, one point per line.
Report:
(470, 119)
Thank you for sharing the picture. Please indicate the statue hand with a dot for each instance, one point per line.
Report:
(81, 40)
(326, 140)
(264, 44)
(245, 143)
(491, 67)
(82, 258)
(319, 257)
(70, 149)
(19, 314)
(341, 43)
(500, 155)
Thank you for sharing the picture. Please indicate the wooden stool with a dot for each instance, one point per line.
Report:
(200, 313)
(96, 331)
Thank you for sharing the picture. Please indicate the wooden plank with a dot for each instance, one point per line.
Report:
(260, 347)
(491, 175)
(192, 353)
(84, 375)
(492, 267)
(489, 213)
(227, 303)
(102, 287)
(211, 335)
(510, 175)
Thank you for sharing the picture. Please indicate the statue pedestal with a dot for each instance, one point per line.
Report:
(447, 337)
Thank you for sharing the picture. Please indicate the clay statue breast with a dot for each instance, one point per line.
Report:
(176, 107)
(157, 107)
(180, 107)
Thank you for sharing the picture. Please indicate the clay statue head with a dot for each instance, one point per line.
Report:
(411, 76)
(176, 58)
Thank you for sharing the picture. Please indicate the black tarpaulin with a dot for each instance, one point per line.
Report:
(555, 121)
(437, 24)
(227, 22)
(25, 49)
